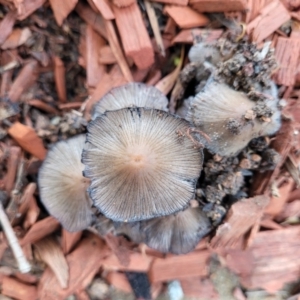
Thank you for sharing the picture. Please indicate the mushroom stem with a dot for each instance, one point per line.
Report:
(24, 265)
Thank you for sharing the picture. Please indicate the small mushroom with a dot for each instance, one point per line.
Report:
(179, 233)
(131, 95)
(141, 164)
(230, 119)
(63, 187)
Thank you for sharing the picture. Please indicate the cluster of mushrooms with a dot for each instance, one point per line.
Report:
(138, 165)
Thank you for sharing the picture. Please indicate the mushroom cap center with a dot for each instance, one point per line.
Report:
(140, 158)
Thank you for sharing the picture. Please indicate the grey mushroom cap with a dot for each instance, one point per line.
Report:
(131, 95)
(141, 164)
(220, 112)
(179, 233)
(62, 186)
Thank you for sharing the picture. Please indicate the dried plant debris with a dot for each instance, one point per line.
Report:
(134, 158)
(62, 186)
(131, 95)
(230, 118)
(178, 233)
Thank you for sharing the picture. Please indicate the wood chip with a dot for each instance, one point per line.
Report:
(119, 281)
(240, 218)
(32, 213)
(62, 9)
(82, 271)
(27, 138)
(60, 80)
(18, 290)
(40, 230)
(123, 3)
(95, 70)
(117, 51)
(218, 5)
(7, 25)
(286, 53)
(186, 17)
(190, 265)
(198, 288)
(49, 251)
(42, 106)
(275, 261)
(270, 18)
(187, 36)
(138, 263)
(106, 56)
(25, 79)
(104, 9)
(137, 44)
(69, 240)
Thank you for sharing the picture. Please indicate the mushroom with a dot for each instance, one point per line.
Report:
(178, 233)
(141, 163)
(230, 119)
(63, 187)
(131, 95)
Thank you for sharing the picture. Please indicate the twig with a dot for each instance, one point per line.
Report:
(155, 27)
(24, 265)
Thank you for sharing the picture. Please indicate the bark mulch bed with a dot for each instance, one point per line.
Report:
(58, 58)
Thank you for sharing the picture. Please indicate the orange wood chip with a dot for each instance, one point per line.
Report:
(119, 281)
(188, 36)
(186, 17)
(18, 290)
(17, 38)
(60, 80)
(69, 240)
(61, 9)
(117, 51)
(240, 218)
(7, 25)
(137, 44)
(104, 9)
(25, 79)
(95, 70)
(123, 3)
(42, 106)
(179, 267)
(84, 262)
(194, 287)
(218, 5)
(32, 213)
(106, 56)
(270, 18)
(39, 230)
(138, 263)
(286, 53)
(27, 138)
(275, 260)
